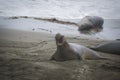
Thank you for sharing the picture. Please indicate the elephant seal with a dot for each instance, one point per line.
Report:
(90, 24)
(118, 39)
(112, 47)
(68, 51)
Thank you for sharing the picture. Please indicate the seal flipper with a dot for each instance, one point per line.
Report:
(52, 58)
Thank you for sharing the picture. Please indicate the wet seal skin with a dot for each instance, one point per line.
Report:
(91, 24)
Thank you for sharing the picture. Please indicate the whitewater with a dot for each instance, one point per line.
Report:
(67, 10)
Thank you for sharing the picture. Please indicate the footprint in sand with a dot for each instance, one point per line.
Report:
(35, 48)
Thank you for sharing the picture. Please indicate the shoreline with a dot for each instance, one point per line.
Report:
(110, 31)
(33, 35)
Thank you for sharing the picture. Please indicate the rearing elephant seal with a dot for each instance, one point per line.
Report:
(112, 47)
(68, 51)
(90, 24)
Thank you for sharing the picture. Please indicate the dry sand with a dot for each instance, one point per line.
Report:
(25, 56)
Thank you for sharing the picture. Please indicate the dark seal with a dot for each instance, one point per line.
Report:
(91, 24)
(112, 47)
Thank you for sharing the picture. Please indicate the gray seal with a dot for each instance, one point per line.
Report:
(91, 24)
(69, 51)
(112, 47)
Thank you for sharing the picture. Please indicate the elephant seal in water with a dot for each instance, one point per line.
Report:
(68, 51)
(112, 47)
(90, 24)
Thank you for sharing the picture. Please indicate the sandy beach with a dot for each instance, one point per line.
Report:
(25, 55)
(27, 32)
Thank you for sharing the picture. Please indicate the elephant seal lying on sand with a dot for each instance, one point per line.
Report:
(68, 51)
(112, 47)
(90, 24)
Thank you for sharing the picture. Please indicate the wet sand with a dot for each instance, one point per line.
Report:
(25, 56)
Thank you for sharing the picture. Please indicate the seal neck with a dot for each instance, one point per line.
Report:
(65, 45)
(62, 51)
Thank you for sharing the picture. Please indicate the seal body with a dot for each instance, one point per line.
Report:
(84, 52)
(112, 47)
(91, 24)
(68, 51)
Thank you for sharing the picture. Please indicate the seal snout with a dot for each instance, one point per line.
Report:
(59, 39)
